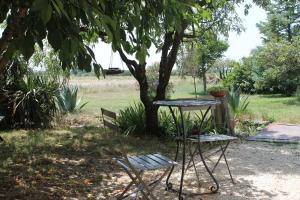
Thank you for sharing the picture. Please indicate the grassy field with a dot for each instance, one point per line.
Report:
(118, 92)
(275, 108)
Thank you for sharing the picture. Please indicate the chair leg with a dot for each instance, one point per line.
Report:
(123, 196)
(222, 154)
(223, 149)
(138, 181)
(142, 187)
(192, 154)
(227, 164)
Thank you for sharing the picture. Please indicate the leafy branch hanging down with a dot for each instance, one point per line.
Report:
(62, 23)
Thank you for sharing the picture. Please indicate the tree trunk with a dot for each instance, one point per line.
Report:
(152, 125)
(170, 48)
(204, 82)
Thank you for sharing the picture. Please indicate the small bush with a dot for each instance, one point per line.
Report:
(32, 105)
(153, 81)
(297, 94)
(132, 119)
(242, 76)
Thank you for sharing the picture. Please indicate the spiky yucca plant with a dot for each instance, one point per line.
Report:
(68, 101)
(237, 103)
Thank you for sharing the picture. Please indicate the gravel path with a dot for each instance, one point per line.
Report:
(260, 170)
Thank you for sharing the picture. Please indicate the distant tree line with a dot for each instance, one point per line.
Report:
(275, 66)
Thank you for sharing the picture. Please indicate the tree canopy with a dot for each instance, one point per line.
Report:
(164, 24)
(283, 21)
(64, 24)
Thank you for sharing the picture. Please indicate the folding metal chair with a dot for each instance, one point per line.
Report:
(201, 139)
(135, 166)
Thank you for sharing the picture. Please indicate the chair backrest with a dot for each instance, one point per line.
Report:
(109, 119)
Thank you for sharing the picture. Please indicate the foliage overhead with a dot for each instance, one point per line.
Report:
(64, 24)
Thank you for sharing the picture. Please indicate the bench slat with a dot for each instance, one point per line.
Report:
(109, 113)
(136, 164)
(109, 124)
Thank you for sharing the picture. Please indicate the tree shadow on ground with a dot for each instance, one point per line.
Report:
(77, 163)
(59, 164)
(255, 167)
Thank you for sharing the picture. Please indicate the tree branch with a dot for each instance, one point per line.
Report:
(14, 30)
(132, 65)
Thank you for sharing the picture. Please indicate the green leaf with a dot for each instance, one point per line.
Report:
(27, 46)
(54, 39)
(84, 62)
(97, 68)
(65, 50)
(46, 14)
(60, 5)
(39, 5)
(91, 52)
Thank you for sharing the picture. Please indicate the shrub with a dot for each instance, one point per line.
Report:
(242, 76)
(279, 63)
(217, 88)
(132, 119)
(297, 94)
(31, 103)
(67, 99)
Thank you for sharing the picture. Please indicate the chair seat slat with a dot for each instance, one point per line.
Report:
(152, 162)
(136, 164)
(142, 162)
(160, 161)
(165, 158)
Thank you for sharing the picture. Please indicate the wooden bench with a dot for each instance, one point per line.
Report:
(109, 119)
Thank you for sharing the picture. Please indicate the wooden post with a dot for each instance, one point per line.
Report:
(223, 117)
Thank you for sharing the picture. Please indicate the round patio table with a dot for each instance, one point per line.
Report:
(181, 136)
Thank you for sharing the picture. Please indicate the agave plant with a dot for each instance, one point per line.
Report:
(237, 103)
(68, 101)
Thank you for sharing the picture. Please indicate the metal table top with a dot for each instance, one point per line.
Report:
(187, 102)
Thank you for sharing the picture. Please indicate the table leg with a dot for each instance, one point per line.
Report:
(169, 185)
(183, 154)
(212, 188)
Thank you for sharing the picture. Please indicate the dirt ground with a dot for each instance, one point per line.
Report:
(260, 170)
